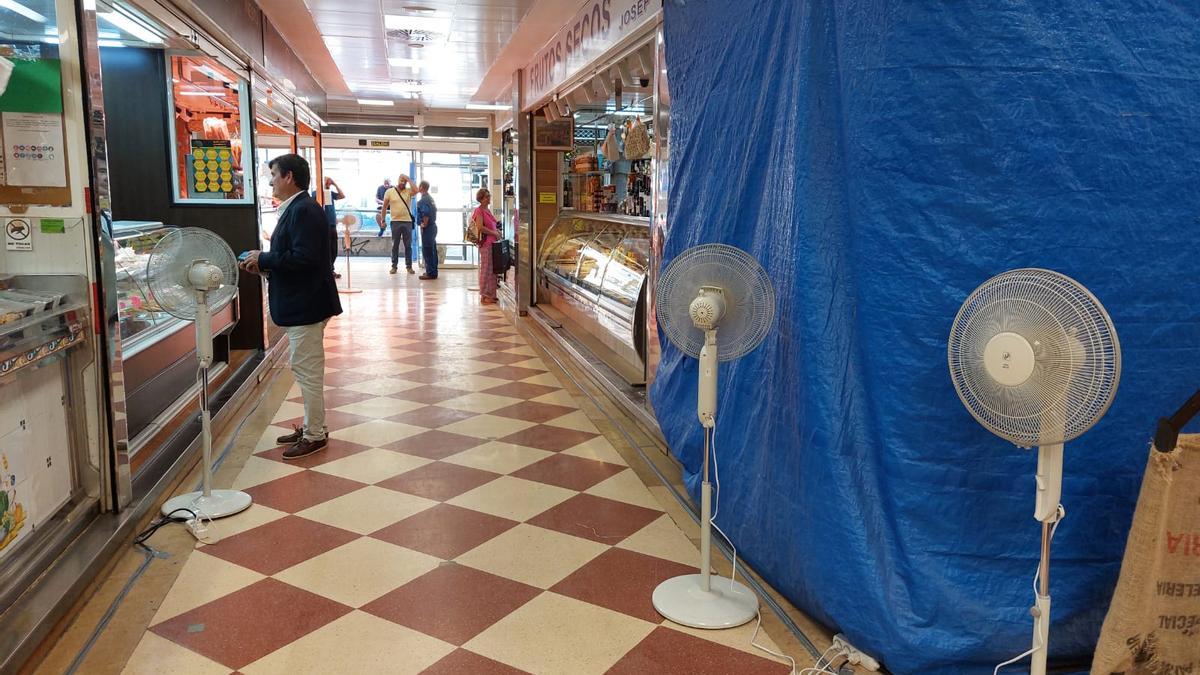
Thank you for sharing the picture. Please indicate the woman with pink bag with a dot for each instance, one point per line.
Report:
(483, 231)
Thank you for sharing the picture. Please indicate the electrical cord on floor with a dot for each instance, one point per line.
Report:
(160, 522)
(827, 657)
(1062, 513)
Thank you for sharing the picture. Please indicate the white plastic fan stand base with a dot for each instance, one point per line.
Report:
(684, 601)
(219, 504)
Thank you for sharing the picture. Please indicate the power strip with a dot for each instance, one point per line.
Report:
(853, 655)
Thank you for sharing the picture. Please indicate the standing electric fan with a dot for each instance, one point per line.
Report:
(709, 288)
(1035, 359)
(192, 273)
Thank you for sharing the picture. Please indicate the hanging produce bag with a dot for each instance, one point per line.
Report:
(637, 140)
(1153, 624)
(609, 148)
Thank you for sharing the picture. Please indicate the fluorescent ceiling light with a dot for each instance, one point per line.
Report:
(115, 43)
(429, 24)
(487, 106)
(24, 11)
(129, 26)
(374, 101)
(400, 62)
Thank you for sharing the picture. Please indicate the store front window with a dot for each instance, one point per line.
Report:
(209, 106)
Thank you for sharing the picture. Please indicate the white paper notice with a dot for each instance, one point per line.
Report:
(33, 150)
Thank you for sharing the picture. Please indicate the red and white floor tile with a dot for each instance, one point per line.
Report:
(467, 517)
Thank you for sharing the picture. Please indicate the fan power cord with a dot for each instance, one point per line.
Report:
(824, 663)
(160, 522)
(1058, 518)
(763, 648)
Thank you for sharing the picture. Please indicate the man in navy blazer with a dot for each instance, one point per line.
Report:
(303, 295)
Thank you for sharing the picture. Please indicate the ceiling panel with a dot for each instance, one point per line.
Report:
(450, 65)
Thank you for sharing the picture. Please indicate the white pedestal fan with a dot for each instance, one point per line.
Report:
(193, 273)
(1036, 360)
(706, 288)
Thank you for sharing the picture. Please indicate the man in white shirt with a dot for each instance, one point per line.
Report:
(399, 201)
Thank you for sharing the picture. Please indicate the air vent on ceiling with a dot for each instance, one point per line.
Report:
(416, 36)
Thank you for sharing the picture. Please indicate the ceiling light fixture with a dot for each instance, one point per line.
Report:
(400, 62)
(129, 26)
(487, 106)
(109, 43)
(24, 11)
(375, 101)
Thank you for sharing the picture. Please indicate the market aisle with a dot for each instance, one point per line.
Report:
(467, 517)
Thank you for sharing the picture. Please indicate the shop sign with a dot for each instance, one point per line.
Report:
(18, 234)
(381, 144)
(547, 198)
(597, 27)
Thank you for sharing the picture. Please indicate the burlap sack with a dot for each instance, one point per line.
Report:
(1153, 624)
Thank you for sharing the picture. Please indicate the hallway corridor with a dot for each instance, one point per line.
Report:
(467, 517)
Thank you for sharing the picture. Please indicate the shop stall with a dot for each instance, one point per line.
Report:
(592, 121)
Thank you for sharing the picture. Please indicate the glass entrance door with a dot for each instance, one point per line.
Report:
(453, 181)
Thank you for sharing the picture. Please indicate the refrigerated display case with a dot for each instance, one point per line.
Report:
(592, 276)
(157, 348)
(46, 468)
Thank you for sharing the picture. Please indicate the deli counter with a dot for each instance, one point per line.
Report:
(157, 349)
(592, 278)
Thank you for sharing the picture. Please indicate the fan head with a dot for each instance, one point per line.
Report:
(717, 286)
(189, 260)
(1034, 357)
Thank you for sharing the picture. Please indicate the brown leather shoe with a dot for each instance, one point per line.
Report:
(304, 448)
(294, 437)
(425, 277)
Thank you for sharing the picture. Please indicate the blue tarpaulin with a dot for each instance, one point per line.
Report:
(882, 159)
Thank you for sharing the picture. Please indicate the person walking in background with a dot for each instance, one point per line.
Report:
(382, 214)
(303, 296)
(427, 220)
(398, 202)
(333, 192)
(484, 223)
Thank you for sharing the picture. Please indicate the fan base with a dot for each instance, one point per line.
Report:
(683, 601)
(219, 504)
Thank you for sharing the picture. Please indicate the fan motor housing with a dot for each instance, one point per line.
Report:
(1009, 359)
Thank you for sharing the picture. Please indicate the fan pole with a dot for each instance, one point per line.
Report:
(208, 503)
(691, 600)
(349, 289)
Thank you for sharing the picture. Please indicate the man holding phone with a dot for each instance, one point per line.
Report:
(398, 201)
(303, 295)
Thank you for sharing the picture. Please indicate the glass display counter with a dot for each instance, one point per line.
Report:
(157, 348)
(592, 275)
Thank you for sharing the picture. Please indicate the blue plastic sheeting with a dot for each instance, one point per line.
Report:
(882, 159)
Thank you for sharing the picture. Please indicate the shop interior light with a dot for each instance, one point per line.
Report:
(130, 26)
(487, 106)
(428, 24)
(375, 101)
(109, 43)
(14, 6)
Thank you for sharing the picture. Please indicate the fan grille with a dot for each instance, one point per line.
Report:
(166, 271)
(1076, 351)
(749, 299)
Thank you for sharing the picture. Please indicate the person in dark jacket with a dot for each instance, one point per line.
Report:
(303, 295)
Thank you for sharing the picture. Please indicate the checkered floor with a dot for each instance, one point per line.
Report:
(467, 517)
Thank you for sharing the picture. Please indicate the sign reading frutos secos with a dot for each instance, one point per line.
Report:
(597, 27)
